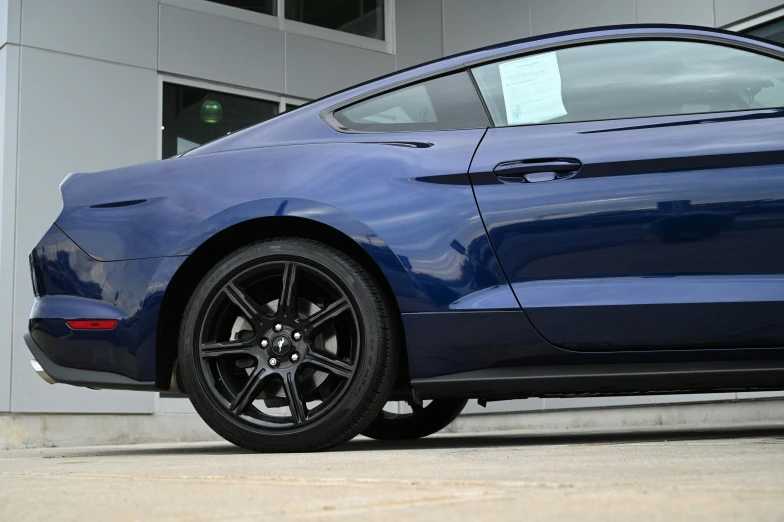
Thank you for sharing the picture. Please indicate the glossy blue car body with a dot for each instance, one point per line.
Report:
(618, 266)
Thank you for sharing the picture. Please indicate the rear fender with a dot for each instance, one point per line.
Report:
(389, 264)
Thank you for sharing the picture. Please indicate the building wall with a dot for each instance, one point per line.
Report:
(467, 24)
(80, 85)
(9, 96)
(9, 58)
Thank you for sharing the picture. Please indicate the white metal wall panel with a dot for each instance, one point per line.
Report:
(9, 83)
(728, 11)
(469, 24)
(10, 20)
(548, 16)
(693, 12)
(4, 21)
(418, 32)
(122, 31)
(220, 49)
(76, 114)
(317, 67)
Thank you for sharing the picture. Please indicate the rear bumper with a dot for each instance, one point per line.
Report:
(53, 373)
(70, 285)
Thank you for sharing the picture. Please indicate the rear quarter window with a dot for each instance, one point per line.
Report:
(444, 103)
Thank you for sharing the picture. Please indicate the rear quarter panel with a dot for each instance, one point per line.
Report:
(408, 202)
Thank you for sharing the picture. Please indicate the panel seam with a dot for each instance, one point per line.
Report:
(492, 246)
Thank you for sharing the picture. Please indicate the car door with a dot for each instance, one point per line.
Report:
(634, 192)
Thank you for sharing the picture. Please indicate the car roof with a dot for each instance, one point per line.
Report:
(292, 127)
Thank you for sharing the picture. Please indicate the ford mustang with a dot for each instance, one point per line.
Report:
(596, 212)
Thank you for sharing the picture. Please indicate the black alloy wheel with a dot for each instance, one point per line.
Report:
(288, 345)
(423, 420)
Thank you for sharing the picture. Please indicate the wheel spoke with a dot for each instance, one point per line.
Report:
(296, 405)
(270, 297)
(249, 392)
(228, 348)
(287, 302)
(249, 308)
(333, 366)
(323, 318)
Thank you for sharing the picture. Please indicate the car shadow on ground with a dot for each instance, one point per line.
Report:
(489, 440)
(773, 432)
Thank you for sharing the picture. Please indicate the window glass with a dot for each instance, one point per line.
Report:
(194, 116)
(362, 17)
(773, 31)
(259, 6)
(629, 80)
(448, 102)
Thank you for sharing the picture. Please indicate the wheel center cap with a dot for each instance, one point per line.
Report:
(281, 345)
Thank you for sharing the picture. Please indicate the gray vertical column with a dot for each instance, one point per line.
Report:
(9, 101)
(88, 100)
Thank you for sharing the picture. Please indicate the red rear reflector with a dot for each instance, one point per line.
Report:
(97, 324)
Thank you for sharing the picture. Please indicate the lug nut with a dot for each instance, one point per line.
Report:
(278, 327)
(297, 336)
(294, 357)
(264, 343)
(273, 361)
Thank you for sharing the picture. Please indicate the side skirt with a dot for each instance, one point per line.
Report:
(605, 379)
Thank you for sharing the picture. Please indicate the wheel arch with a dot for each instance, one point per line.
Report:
(372, 254)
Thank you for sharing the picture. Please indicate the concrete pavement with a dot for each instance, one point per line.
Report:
(656, 474)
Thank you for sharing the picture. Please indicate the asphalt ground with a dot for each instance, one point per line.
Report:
(654, 474)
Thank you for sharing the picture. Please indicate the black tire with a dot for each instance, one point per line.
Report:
(227, 380)
(431, 419)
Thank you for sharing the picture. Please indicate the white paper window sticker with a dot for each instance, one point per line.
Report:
(532, 89)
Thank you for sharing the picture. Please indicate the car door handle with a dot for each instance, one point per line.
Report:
(536, 170)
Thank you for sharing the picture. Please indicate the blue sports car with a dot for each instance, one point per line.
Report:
(594, 212)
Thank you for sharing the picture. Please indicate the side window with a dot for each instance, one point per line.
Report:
(632, 79)
(445, 103)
